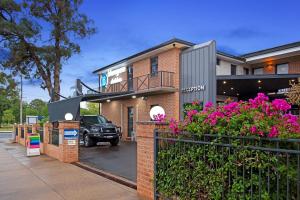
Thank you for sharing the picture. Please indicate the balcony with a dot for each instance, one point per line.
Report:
(159, 81)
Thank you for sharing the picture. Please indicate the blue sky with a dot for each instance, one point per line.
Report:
(127, 27)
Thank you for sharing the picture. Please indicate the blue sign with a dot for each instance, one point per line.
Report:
(103, 79)
(70, 134)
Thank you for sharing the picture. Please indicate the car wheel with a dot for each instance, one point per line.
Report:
(87, 141)
(114, 142)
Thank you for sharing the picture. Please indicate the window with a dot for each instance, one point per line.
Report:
(154, 65)
(246, 71)
(258, 71)
(282, 68)
(233, 69)
(218, 61)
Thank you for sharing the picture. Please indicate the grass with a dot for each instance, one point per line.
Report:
(6, 128)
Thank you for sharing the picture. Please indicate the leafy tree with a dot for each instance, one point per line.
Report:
(8, 117)
(41, 35)
(92, 109)
(36, 107)
(8, 93)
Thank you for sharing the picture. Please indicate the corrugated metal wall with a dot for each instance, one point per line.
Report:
(198, 68)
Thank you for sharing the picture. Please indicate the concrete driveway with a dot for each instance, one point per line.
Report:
(119, 160)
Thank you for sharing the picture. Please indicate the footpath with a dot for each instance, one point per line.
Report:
(43, 177)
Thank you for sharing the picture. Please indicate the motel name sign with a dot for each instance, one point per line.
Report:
(193, 89)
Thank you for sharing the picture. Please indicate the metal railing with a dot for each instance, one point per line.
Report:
(40, 131)
(279, 178)
(54, 136)
(22, 132)
(149, 81)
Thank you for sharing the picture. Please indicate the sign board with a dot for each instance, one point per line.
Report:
(103, 80)
(71, 142)
(70, 134)
(198, 74)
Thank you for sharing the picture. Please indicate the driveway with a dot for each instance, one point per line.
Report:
(119, 160)
(42, 177)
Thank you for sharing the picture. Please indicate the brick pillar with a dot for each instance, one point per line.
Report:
(145, 158)
(68, 148)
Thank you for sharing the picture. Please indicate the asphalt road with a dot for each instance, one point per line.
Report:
(5, 134)
(119, 160)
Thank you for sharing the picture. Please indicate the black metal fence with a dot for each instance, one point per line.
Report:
(22, 132)
(40, 131)
(54, 136)
(264, 168)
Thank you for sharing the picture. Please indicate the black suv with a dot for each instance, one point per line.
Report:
(96, 128)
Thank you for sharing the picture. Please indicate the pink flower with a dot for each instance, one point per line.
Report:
(159, 118)
(174, 126)
(253, 129)
(191, 113)
(281, 105)
(273, 132)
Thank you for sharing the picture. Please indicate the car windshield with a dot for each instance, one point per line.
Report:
(94, 119)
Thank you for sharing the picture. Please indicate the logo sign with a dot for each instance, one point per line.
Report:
(70, 134)
(194, 89)
(103, 80)
(71, 142)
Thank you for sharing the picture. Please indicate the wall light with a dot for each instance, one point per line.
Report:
(259, 87)
(133, 97)
(108, 100)
(144, 98)
(224, 92)
(259, 81)
(224, 82)
(232, 88)
(237, 94)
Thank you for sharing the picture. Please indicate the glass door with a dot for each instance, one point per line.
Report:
(130, 77)
(130, 122)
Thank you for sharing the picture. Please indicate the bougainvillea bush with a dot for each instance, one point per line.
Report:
(236, 155)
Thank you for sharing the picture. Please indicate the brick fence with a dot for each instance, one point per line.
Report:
(145, 158)
(64, 152)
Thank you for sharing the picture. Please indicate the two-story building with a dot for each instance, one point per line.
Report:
(151, 78)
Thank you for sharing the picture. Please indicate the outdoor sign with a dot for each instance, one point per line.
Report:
(70, 134)
(103, 80)
(71, 142)
(198, 74)
(33, 145)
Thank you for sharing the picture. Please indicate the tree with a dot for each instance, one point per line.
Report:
(8, 93)
(41, 35)
(8, 117)
(92, 109)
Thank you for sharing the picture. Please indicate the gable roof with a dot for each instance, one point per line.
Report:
(271, 50)
(174, 40)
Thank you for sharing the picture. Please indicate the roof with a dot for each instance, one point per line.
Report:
(146, 51)
(174, 40)
(273, 49)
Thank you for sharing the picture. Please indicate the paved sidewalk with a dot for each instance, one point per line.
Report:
(45, 178)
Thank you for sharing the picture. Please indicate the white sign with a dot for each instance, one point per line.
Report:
(116, 72)
(155, 111)
(193, 89)
(115, 80)
(71, 142)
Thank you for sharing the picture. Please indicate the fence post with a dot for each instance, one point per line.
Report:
(146, 158)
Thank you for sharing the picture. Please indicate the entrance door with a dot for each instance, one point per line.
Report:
(130, 77)
(130, 122)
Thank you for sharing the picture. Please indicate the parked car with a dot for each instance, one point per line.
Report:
(96, 128)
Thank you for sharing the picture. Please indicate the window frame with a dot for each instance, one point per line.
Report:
(232, 66)
(276, 68)
(151, 66)
(253, 70)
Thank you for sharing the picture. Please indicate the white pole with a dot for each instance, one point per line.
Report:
(21, 101)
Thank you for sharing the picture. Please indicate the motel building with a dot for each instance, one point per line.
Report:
(177, 72)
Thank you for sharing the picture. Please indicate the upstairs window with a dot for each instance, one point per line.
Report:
(233, 69)
(154, 65)
(282, 68)
(257, 71)
(218, 61)
(246, 71)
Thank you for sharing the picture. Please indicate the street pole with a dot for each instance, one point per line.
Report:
(21, 101)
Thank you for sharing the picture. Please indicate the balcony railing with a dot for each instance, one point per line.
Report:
(161, 79)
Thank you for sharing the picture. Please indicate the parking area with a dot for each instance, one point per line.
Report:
(118, 160)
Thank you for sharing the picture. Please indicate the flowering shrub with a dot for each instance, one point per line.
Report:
(159, 118)
(224, 164)
(256, 117)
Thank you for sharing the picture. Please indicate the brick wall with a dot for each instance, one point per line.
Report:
(145, 159)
